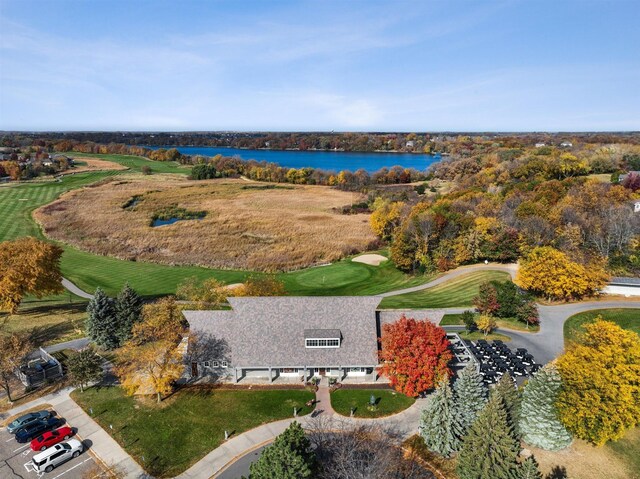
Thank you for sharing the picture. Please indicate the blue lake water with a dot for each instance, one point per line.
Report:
(325, 160)
(170, 221)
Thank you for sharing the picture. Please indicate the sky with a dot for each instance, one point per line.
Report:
(352, 65)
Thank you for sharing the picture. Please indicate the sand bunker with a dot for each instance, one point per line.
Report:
(370, 259)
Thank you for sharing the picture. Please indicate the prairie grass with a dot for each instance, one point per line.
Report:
(271, 229)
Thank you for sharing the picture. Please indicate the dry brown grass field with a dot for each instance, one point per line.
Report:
(584, 461)
(254, 226)
(95, 164)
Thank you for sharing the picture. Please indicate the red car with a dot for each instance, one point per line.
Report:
(50, 438)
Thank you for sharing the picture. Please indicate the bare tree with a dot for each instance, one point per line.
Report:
(361, 451)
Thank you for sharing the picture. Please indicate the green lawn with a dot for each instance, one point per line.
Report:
(458, 292)
(349, 278)
(624, 317)
(180, 431)
(52, 319)
(503, 323)
(389, 402)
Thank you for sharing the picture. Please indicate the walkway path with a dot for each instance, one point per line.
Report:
(404, 423)
(75, 290)
(454, 273)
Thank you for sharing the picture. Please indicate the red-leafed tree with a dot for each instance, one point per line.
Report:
(415, 355)
(487, 300)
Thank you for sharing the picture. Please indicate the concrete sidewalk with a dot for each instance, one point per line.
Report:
(404, 423)
(98, 441)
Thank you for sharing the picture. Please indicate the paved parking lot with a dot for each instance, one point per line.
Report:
(15, 461)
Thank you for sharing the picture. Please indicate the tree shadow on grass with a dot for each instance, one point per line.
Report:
(558, 472)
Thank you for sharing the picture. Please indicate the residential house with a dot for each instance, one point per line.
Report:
(622, 177)
(566, 144)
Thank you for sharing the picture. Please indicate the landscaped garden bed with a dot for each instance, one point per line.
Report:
(387, 402)
(168, 438)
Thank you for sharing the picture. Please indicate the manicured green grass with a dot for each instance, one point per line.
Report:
(17, 201)
(627, 449)
(349, 278)
(88, 271)
(180, 431)
(625, 318)
(458, 292)
(503, 323)
(388, 402)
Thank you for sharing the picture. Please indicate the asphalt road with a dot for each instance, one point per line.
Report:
(241, 466)
(15, 461)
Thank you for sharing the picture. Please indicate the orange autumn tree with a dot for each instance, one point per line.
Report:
(28, 266)
(415, 355)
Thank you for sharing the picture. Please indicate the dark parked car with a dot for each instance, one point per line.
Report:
(27, 419)
(33, 430)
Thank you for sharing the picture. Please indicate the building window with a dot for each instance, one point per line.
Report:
(224, 364)
(288, 370)
(322, 343)
(207, 364)
(215, 364)
(356, 370)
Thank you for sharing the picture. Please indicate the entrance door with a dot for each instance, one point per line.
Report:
(194, 369)
(322, 371)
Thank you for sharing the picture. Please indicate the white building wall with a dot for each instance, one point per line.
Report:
(622, 290)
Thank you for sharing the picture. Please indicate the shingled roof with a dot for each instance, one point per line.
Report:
(270, 331)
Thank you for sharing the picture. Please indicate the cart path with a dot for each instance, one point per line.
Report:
(69, 286)
(512, 269)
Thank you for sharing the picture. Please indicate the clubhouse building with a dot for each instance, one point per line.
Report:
(294, 338)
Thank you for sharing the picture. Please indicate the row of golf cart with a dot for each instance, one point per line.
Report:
(496, 358)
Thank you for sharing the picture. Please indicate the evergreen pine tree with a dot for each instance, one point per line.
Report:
(529, 469)
(539, 422)
(470, 397)
(439, 427)
(511, 399)
(289, 457)
(102, 325)
(489, 450)
(128, 312)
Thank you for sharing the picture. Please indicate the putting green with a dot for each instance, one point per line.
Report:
(333, 276)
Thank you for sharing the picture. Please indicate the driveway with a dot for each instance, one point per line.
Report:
(548, 343)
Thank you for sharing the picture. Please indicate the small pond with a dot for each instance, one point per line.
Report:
(170, 221)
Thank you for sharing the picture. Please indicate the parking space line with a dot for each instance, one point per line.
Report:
(8, 440)
(72, 468)
(22, 447)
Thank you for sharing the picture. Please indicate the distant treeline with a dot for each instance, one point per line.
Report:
(364, 142)
(226, 166)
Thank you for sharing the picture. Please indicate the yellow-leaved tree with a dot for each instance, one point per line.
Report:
(386, 217)
(600, 399)
(28, 266)
(549, 272)
(151, 361)
(486, 323)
